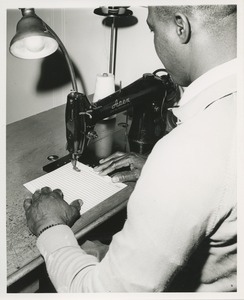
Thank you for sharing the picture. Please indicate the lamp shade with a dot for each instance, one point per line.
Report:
(32, 39)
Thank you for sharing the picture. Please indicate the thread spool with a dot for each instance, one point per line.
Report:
(104, 86)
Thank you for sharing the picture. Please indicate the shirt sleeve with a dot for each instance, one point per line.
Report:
(65, 259)
(173, 208)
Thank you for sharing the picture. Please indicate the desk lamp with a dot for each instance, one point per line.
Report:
(35, 39)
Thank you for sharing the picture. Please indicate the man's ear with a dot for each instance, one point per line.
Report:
(183, 29)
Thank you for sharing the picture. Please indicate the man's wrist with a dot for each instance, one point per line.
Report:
(55, 238)
(47, 227)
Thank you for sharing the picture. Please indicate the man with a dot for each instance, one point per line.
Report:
(180, 234)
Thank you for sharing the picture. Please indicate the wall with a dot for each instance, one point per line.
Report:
(87, 41)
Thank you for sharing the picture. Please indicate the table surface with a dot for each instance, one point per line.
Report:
(29, 143)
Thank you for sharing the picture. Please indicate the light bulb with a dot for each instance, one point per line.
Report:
(34, 43)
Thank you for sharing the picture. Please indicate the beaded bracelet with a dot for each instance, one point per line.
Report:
(49, 226)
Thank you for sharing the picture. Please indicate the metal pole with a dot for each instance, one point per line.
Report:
(113, 38)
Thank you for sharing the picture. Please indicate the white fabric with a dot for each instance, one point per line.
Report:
(183, 206)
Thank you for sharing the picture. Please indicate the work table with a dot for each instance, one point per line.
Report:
(29, 143)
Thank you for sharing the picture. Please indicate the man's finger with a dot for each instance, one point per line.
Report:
(108, 163)
(27, 203)
(46, 190)
(112, 156)
(102, 167)
(36, 195)
(75, 211)
(59, 192)
(117, 164)
(124, 176)
(77, 204)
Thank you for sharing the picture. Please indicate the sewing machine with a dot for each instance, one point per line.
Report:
(149, 97)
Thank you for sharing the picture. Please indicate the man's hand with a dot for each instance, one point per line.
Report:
(47, 207)
(119, 160)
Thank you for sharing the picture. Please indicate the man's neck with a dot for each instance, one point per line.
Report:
(216, 53)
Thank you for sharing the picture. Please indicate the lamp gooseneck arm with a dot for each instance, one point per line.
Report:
(67, 57)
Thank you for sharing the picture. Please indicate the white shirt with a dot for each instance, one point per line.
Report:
(180, 234)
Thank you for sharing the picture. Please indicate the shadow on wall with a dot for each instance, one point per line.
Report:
(54, 70)
(55, 73)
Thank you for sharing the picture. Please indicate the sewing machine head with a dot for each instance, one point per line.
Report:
(149, 98)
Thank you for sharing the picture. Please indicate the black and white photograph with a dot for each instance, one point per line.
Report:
(122, 134)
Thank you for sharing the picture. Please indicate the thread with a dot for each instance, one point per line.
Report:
(104, 86)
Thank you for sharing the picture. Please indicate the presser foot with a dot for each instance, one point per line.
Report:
(74, 164)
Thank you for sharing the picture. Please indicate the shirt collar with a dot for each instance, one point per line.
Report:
(212, 85)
